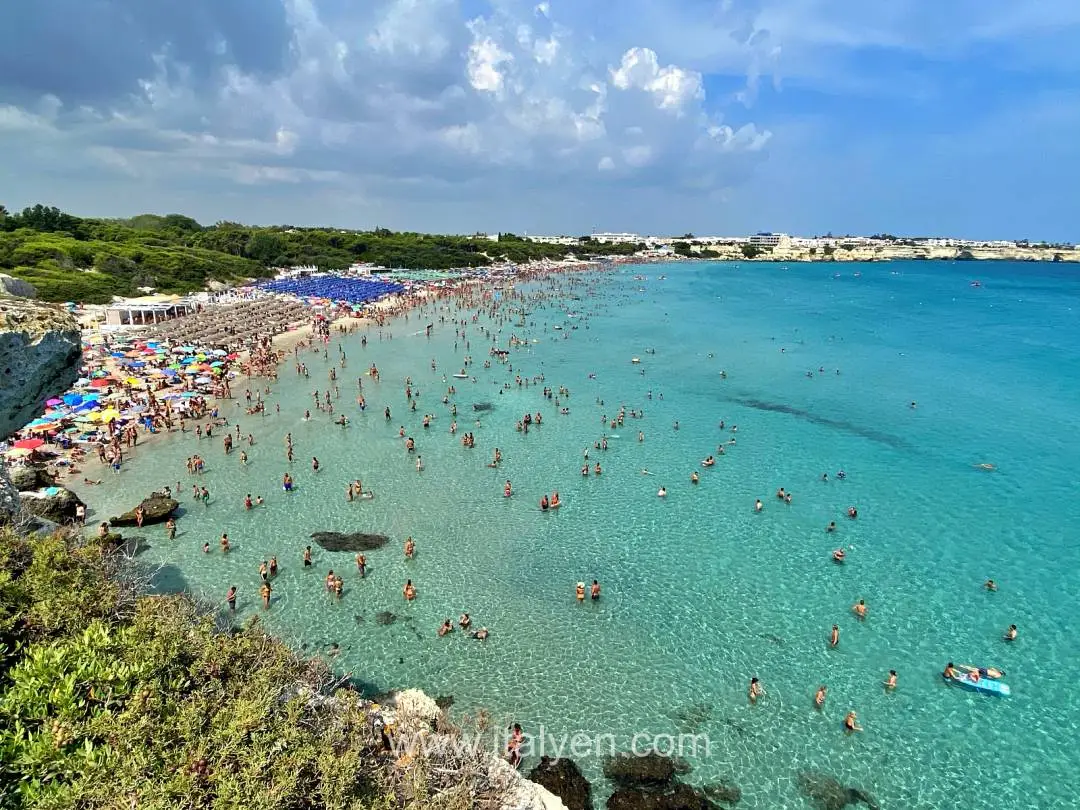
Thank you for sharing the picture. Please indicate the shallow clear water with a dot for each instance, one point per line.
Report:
(701, 593)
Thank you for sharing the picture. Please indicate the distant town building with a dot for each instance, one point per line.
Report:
(607, 238)
(770, 240)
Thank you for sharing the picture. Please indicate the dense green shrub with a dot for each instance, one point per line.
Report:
(110, 700)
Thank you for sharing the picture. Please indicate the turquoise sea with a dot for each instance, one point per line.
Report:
(700, 593)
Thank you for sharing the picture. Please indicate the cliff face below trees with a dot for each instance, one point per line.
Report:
(40, 349)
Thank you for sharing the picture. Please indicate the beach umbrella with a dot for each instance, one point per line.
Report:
(72, 399)
(216, 364)
(91, 397)
(117, 354)
(219, 353)
(40, 421)
(18, 452)
(82, 381)
(178, 350)
(109, 414)
(45, 428)
(28, 444)
(203, 380)
(54, 402)
(99, 383)
(169, 372)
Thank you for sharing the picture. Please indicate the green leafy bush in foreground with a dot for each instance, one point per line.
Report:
(109, 699)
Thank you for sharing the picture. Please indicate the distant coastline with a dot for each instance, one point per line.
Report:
(734, 253)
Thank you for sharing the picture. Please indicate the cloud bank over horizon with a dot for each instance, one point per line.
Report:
(717, 116)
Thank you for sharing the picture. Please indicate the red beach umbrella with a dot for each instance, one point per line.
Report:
(28, 444)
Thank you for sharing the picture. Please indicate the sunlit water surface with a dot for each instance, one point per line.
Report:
(699, 592)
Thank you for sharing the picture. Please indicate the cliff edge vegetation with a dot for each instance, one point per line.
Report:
(110, 698)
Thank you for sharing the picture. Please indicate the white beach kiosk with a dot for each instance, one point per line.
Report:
(147, 310)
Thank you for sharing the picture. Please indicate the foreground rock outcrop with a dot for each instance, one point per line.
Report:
(27, 477)
(563, 778)
(57, 504)
(424, 741)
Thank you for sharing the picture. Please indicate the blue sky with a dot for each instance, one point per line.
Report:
(656, 116)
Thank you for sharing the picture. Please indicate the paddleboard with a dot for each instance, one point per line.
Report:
(987, 686)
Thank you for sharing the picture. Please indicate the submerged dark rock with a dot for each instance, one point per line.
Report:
(355, 541)
(692, 718)
(385, 617)
(674, 797)
(827, 793)
(156, 509)
(723, 793)
(444, 702)
(631, 770)
(563, 778)
(482, 406)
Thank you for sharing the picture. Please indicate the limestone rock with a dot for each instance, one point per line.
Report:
(58, 506)
(40, 352)
(353, 542)
(518, 792)
(26, 477)
(563, 778)
(156, 509)
(16, 287)
(9, 497)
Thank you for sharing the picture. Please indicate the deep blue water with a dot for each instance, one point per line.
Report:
(700, 592)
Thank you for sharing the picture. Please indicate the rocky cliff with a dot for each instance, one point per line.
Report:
(40, 350)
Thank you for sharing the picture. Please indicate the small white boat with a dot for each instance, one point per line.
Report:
(635, 360)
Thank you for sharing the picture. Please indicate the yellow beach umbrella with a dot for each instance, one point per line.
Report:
(109, 414)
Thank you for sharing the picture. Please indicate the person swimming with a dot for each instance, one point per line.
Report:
(662, 492)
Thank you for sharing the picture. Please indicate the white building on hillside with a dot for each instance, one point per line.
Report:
(616, 237)
(771, 240)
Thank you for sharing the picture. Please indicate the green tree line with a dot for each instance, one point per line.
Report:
(69, 258)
